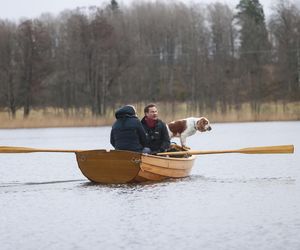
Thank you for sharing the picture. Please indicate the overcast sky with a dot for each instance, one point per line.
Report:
(15, 9)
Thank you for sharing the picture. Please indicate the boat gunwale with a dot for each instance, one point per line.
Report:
(191, 157)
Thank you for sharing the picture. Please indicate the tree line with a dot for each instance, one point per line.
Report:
(99, 57)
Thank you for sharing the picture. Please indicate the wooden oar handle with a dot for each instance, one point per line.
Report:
(283, 149)
(8, 149)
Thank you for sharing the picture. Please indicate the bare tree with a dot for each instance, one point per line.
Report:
(224, 35)
(8, 67)
(285, 28)
(34, 50)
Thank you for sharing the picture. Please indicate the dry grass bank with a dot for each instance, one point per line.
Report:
(268, 112)
(59, 118)
(43, 118)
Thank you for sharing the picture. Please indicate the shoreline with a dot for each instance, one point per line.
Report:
(68, 124)
(58, 118)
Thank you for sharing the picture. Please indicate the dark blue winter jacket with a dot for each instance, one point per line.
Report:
(127, 132)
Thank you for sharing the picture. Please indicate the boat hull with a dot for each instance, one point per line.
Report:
(156, 168)
(117, 167)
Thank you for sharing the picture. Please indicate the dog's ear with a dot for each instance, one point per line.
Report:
(201, 123)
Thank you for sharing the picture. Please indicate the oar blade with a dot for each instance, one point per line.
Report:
(9, 149)
(281, 149)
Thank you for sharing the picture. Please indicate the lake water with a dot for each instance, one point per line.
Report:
(230, 201)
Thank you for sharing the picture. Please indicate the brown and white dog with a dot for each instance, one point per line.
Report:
(187, 127)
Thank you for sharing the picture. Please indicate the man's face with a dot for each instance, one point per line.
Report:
(152, 113)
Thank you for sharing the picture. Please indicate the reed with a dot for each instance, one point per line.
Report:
(268, 112)
(49, 117)
(42, 118)
(271, 111)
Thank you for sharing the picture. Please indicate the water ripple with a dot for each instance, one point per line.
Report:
(275, 180)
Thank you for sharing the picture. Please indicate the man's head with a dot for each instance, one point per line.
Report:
(151, 111)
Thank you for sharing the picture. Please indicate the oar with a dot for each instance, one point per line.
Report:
(7, 149)
(283, 149)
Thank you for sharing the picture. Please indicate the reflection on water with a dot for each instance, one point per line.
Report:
(14, 184)
(229, 201)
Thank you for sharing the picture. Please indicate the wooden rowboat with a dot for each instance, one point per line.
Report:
(118, 167)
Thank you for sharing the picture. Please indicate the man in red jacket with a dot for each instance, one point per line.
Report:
(158, 139)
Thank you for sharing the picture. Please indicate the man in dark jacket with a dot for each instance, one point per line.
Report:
(127, 132)
(158, 139)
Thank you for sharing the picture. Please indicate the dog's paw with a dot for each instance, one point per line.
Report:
(186, 148)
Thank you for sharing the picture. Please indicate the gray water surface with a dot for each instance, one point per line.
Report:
(230, 201)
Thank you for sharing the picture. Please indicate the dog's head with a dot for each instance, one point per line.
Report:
(203, 124)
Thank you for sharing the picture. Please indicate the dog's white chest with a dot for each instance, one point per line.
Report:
(191, 127)
(190, 131)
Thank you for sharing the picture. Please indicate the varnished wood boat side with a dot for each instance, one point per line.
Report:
(109, 167)
(158, 168)
(144, 175)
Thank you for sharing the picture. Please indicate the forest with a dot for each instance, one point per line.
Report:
(210, 57)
